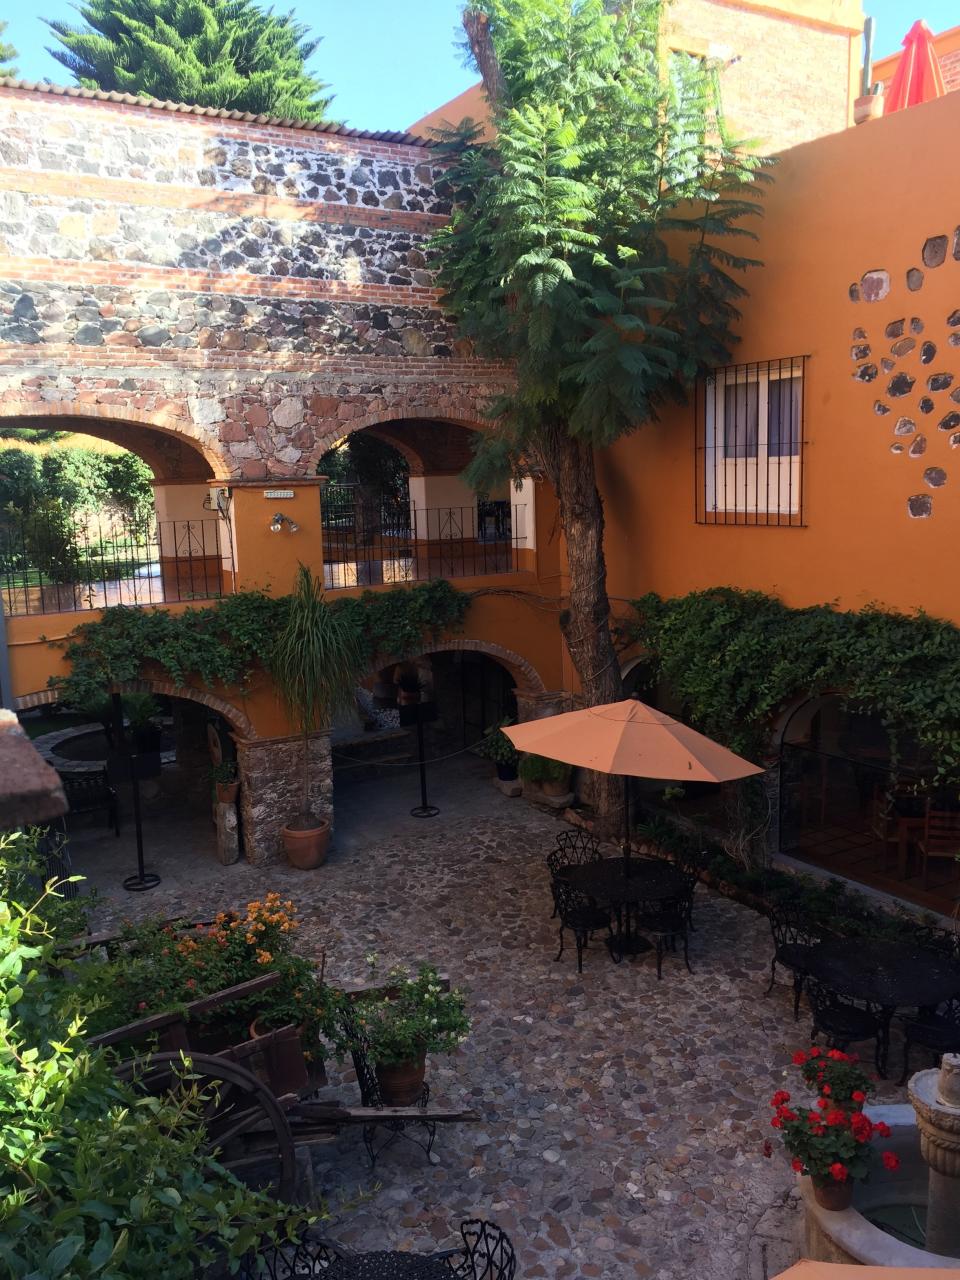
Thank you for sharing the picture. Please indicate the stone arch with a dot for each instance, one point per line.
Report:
(238, 722)
(173, 447)
(524, 673)
(470, 420)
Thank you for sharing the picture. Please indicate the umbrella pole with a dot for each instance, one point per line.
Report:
(626, 825)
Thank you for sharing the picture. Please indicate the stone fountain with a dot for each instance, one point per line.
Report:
(935, 1096)
(926, 1137)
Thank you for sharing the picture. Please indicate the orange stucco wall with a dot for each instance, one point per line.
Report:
(864, 200)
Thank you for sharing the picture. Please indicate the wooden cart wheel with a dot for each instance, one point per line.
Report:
(245, 1124)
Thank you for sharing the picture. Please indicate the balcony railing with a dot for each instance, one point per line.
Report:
(368, 543)
(55, 562)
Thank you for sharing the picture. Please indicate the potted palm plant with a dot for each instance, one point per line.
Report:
(316, 662)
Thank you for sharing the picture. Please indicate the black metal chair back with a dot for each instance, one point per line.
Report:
(487, 1252)
(310, 1256)
(791, 927)
(574, 848)
(370, 1095)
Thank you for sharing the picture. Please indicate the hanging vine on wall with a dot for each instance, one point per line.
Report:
(226, 643)
(734, 658)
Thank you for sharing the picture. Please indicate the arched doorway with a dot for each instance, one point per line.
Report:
(63, 551)
(398, 510)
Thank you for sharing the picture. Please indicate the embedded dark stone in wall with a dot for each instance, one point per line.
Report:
(900, 385)
(954, 339)
(874, 285)
(926, 405)
(914, 279)
(949, 422)
(854, 292)
(916, 324)
(955, 440)
(928, 353)
(935, 477)
(953, 319)
(939, 381)
(880, 408)
(903, 347)
(895, 328)
(866, 373)
(859, 335)
(956, 243)
(860, 352)
(935, 251)
(896, 448)
(888, 365)
(919, 447)
(920, 506)
(955, 394)
(904, 427)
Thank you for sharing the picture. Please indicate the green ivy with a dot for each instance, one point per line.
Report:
(227, 642)
(734, 658)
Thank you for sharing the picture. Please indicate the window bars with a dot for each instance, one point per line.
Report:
(749, 444)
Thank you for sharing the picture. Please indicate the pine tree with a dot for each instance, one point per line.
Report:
(7, 54)
(589, 247)
(211, 53)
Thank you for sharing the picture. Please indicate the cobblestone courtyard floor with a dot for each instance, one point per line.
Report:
(624, 1118)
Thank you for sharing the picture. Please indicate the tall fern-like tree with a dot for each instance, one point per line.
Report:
(592, 246)
(210, 53)
(7, 54)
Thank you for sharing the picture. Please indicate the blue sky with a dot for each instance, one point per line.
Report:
(391, 61)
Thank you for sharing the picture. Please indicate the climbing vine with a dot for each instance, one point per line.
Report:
(225, 643)
(734, 658)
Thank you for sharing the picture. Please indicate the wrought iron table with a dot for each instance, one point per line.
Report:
(397, 1266)
(621, 885)
(894, 975)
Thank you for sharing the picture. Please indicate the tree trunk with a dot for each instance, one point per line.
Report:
(585, 622)
(477, 26)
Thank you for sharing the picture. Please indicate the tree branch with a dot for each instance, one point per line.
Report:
(476, 24)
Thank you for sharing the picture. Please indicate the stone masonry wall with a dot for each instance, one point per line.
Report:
(270, 790)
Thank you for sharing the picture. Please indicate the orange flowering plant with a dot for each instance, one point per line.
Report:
(163, 965)
(830, 1141)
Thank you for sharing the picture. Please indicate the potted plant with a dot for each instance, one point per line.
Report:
(225, 781)
(315, 664)
(551, 776)
(404, 1021)
(496, 746)
(830, 1141)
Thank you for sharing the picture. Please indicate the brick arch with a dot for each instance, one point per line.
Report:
(469, 419)
(524, 673)
(173, 447)
(165, 688)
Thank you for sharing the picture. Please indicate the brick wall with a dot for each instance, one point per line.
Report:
(254, 290)
(792, 81)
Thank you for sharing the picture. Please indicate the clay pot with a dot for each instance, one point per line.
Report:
(306, 849)
(401, 1083)
(869, 107)
(227, 792)
(835, 1196)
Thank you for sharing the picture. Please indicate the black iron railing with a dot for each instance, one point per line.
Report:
(57, 562)
(367, 542)
(750, 440)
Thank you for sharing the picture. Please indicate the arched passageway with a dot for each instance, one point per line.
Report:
(59, 558)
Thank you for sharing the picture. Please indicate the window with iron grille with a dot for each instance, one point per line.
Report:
(750, 444)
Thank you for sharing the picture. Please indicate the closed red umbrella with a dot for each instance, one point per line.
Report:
(918, 77)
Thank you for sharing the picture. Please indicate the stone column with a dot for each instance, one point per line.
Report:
(935, 1096)
(270, 789)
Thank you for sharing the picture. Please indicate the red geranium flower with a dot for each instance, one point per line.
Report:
(779, 1098)
(799, 1058)
(826, 1090)
(890, 1161)
(858, 1096)
(882, 1129)
(776, 1123)
(815, 1051)
(838, 1171)
(796, 1165)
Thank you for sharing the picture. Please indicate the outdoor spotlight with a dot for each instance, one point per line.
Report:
(279, 520)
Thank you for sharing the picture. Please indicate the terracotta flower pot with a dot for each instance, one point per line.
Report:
(401, 1083)
(227, 792)
(868, 107)
(307, 848)
(833, 1195)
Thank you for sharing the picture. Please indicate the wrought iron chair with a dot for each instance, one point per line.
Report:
(793, 936)
(578, 914)
(663, 923)
(91, 793)
(936, 1030)
(844, 1021)
(487, 1253)
(311, 1255)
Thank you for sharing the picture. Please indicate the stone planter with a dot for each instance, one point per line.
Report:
(401, 1083)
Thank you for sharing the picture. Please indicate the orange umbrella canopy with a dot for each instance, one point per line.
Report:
(632, 739)
(841, 1271)
(918, 77)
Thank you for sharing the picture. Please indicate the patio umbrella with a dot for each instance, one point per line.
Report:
(841, 1271)
(918, 77)
(631, 739)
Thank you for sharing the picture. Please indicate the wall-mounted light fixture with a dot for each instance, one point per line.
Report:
(279, 520)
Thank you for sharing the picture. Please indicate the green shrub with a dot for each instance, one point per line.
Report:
(540, 769)
(496, 746)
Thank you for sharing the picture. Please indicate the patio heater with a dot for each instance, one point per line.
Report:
(415, 711)
(133, 767)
